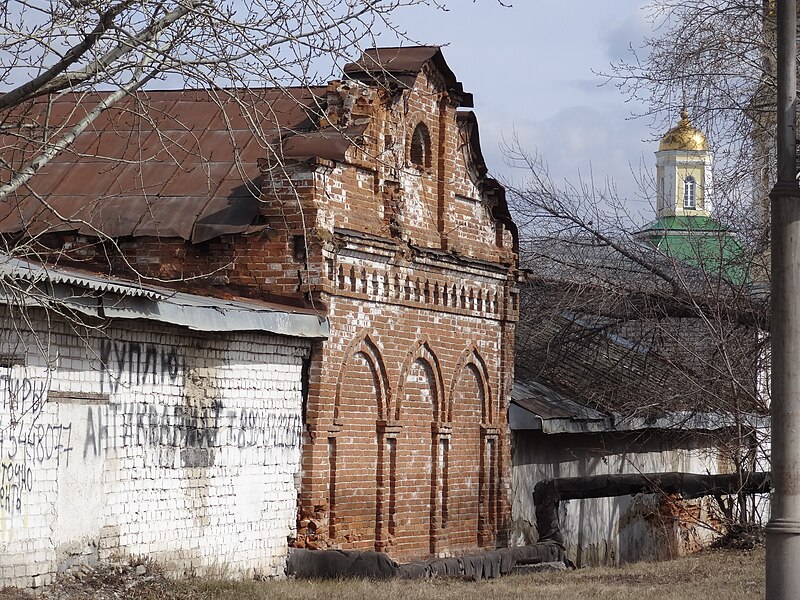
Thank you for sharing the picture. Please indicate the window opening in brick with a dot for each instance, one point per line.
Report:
(421, 146)
(299, 247)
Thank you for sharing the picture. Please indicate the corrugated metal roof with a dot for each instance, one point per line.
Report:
(118, 299)
(15, 269)
(202, 313)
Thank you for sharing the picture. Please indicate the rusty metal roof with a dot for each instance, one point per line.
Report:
(166, 163)
(331, 144)
(180, 163)
(401, 65)
(536, 406)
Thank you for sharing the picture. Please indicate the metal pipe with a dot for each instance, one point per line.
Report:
(783, 528)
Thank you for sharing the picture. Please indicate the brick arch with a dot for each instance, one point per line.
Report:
(421, 470)
(471, 356)
(356, 453)
(419, 145)
(365, 345)
(472, 494)
(422, 351)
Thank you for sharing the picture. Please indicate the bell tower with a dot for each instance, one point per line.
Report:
(683, 172)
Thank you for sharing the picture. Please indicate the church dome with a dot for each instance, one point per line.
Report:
(683, 136)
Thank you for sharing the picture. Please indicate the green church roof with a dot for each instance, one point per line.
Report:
(700, 241)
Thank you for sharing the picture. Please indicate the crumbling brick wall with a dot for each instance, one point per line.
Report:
(402, 245)
(407, 448)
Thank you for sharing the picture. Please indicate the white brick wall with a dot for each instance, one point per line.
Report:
(146, 439)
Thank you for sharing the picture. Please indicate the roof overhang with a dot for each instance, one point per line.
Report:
(30, 284)
(536, 407)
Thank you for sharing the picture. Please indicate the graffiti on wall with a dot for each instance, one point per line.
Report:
(134, 364)
(21, 395)
(25, 440)
(115, 426)
(33, 439)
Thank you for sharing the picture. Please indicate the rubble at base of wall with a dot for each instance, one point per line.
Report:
(332, 564)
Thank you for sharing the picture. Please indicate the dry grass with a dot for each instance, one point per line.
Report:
(733, 575)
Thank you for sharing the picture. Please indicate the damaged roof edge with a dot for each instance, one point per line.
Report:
(37, 285)
(521, 418)
(402, 64)
(197, 313)
(201, 313)
(488, 185)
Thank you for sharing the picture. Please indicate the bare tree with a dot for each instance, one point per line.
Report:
(718, 59)
(685, 335)
(49, 48)
(73, 68)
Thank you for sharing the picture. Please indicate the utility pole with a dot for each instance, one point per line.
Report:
(783, 528)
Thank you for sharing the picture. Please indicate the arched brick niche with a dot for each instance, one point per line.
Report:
(356, 450)
(421, 466)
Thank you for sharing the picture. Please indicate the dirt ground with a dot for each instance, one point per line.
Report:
(732, 575)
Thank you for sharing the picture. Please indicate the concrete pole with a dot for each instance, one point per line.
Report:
(783, 529)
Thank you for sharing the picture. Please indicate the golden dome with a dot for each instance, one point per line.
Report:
(683, 136)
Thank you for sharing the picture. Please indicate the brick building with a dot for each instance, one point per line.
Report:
(158, 423)
(366, 201)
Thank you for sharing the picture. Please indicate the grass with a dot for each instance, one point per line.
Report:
(732, 575)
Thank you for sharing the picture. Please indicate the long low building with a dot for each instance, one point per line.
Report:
(597, 404)
(141, 421)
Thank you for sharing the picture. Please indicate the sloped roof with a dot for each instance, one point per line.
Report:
(30, 283)
(401, 65)
(700, 241)
(168, 163)
(579, 359)
(188, 163)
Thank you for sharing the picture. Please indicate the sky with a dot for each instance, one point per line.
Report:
(531, 69)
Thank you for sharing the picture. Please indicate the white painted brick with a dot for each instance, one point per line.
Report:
(116, 476)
